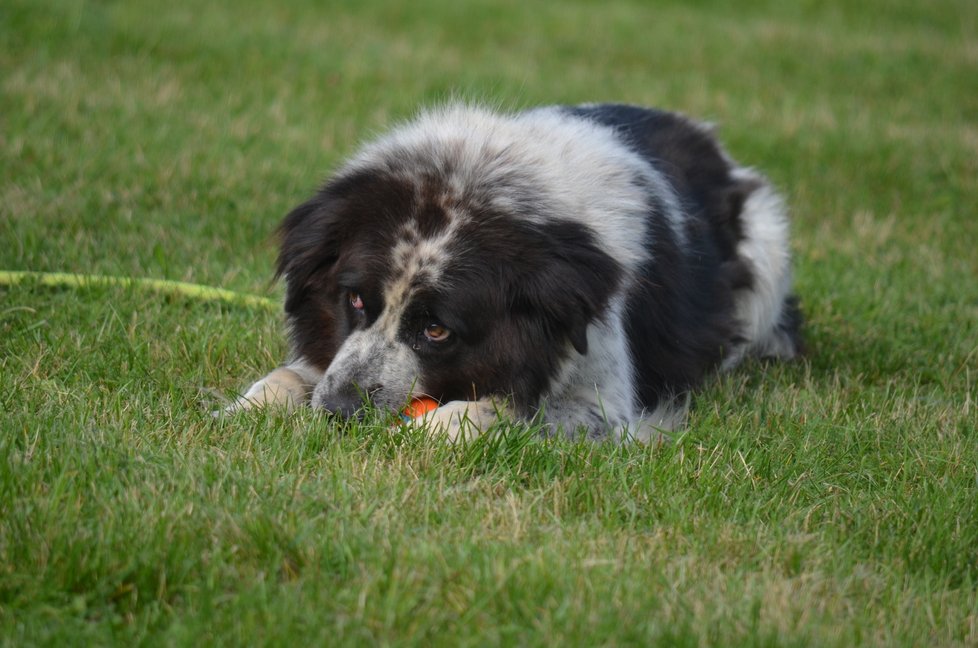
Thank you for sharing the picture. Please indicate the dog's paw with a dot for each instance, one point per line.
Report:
(660, 425)
(462, 420)
(282, 387)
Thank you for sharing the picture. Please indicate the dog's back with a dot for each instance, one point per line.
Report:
(720, 290)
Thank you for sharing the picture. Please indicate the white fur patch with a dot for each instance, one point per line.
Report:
(463, 420)
(595, 389)
(766, 250)
(579, 169)
(283, 386)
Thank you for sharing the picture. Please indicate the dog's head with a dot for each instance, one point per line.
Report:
(401, 284)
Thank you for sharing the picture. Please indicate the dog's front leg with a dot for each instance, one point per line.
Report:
(287, 386)
(464, 420)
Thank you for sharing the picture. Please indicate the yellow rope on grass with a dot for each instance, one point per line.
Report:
(195, 291)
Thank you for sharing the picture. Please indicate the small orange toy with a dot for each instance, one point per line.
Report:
(418, 407)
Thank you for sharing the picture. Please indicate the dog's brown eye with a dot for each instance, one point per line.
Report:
(356, 302)
(436, 333)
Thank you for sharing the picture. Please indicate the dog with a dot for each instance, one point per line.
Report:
(583, 267)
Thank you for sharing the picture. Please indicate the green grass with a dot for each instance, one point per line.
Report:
(830, 502)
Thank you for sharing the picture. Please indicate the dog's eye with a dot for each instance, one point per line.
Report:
(356, 301)
(435, 332)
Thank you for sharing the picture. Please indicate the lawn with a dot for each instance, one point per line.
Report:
(827, 502)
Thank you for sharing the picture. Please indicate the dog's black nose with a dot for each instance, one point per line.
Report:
(347, 403)
(339, 404)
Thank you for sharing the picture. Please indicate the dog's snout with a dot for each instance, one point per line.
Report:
(347, 402)
(339, 405)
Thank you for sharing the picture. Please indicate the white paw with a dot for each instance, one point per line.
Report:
(462, 420)
(282, 387)
(658, 426)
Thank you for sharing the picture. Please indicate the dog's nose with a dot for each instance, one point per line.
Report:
(347, 402)
(341, 404)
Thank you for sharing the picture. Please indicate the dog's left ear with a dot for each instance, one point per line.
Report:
(309, 242)
(572, 286)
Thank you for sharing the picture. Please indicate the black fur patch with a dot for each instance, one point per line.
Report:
(689, 157)
(521, 297)
(681, 319)
(791, 321)
(337, 241)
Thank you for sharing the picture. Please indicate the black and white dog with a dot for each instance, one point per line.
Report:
(587, 266)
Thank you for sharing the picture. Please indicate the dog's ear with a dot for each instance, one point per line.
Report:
(572, 283)
(308, 242)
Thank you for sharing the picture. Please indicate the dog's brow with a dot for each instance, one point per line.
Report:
(349, 279)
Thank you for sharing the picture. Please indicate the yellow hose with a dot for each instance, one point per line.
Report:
(196, 291)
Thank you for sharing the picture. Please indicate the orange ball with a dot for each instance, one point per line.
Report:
(419, 407)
